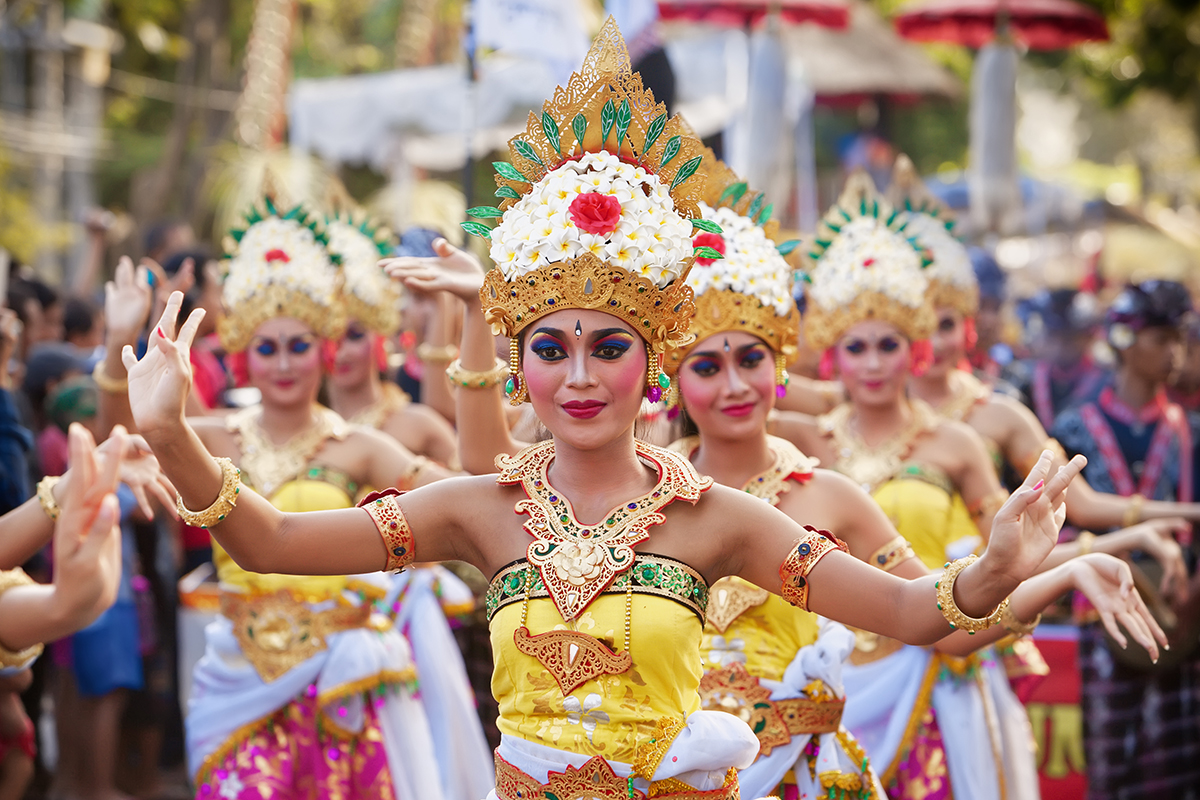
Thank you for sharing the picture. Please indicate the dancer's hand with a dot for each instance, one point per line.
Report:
(87, 538)
(160, 381)
(1026, 527)
(1156, 538)
(1106, 581)
(140, 471)
(127, 299)
(452, 270)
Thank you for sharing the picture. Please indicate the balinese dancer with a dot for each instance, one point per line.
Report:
(424, 599)
(357, 389)
(598, 595)
(305, 690)
(1013, 435)
(1141, 726)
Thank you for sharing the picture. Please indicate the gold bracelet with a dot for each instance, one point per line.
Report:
(436, 354)
(45, 495)
(106, 383)
(1009, 620)
(393, 529)
(1086, 540)
(988, 506)
(949, 608)
(470, 379)
(226, 500)
(793, 572)
(16, 658)
(892, 554)
(1133, 514)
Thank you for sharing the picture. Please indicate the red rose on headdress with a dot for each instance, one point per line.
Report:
(596, 213)
(277, 255)
(713, 240)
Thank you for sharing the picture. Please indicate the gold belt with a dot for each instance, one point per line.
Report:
(596, 780)
(278, 632)
(734, 690)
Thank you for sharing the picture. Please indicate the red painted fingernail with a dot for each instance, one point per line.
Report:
(159, 331)
(1039, 485)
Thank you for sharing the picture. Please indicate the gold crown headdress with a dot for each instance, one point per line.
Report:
(750, 288)
(865, 267)
(927, 219)
(368, 294)
(595, 211)
(278, 265)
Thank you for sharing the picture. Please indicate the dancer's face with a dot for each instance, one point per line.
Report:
(585, 372)
(873, 361)
(949, 342)
(284, 362)
(727, 383)
(354, 361)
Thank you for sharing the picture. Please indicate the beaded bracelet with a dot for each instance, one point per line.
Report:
(220, 508)
(470, 379)
(1009, 620)
(45, 495)
(950, 609)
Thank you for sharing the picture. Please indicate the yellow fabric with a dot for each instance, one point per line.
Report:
(765, 638)
(613, 715)
(297, 495)
(926, 513)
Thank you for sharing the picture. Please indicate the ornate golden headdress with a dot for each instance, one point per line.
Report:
(595, 210)
(750, 288)
(278, 265)
(368, 294)
(865, 267)
(927, 219)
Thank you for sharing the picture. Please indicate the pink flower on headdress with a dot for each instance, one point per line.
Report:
(596, 213)
(713, 240)
(277, 255)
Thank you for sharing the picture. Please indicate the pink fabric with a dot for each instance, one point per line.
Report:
(52, 450)
(298, 755)
(922, 772)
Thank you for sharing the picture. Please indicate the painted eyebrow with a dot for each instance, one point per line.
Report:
(555, 332)
(714, 354)
(606, 332)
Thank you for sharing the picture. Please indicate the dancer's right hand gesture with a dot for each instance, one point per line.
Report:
(452, 270)
(160, 381)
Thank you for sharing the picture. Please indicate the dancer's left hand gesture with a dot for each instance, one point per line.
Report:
(1026, 527)
(160, 381)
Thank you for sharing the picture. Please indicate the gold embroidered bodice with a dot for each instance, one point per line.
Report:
(373, 416)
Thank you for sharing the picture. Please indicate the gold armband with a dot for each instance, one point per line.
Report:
(949, 608)
(106, 383)
(988, 506)
(892, 554)
(392, 526)
(20, 659)
(226, 500)
(1009, 620)
(1086, 540)
(804, 556)
(407, 479)
(435, 354)
(1133, 514)
(471, 379)
(45, 495)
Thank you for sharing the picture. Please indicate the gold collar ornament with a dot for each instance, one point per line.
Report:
(750, 288)
(278, 265)
(595, 211)
(864, 266)
(952, 281)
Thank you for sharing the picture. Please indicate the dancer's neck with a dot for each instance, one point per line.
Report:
(875, 424)
(733, 462)
(350, 400)
(283, 422)
(597, 479)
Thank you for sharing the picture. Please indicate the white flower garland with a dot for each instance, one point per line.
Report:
(307, 268)
(360, 265)
(951, 261)
(651, 239)
(866, 256)
(751, 265)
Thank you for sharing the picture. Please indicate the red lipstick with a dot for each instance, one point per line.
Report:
(583, 409)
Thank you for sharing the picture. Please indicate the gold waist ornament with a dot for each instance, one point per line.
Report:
(595, 780)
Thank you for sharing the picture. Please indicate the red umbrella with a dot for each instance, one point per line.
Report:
(1039, 24)
(747, 13)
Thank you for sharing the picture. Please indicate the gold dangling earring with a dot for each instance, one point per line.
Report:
(781, 376)
(656, 380)
(515, 386)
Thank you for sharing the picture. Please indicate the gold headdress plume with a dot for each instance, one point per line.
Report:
(865, 267)
(952, 279)
(750, 288)
(368, 294)
(277, 265)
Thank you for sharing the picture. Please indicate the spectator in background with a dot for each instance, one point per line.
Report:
(49, 364)
(83, 326)
(40, 310)
(198, 275)
(167, 237)
(15, 440)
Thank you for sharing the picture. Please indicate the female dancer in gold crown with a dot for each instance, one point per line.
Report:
(304, 690)
(595, 641)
